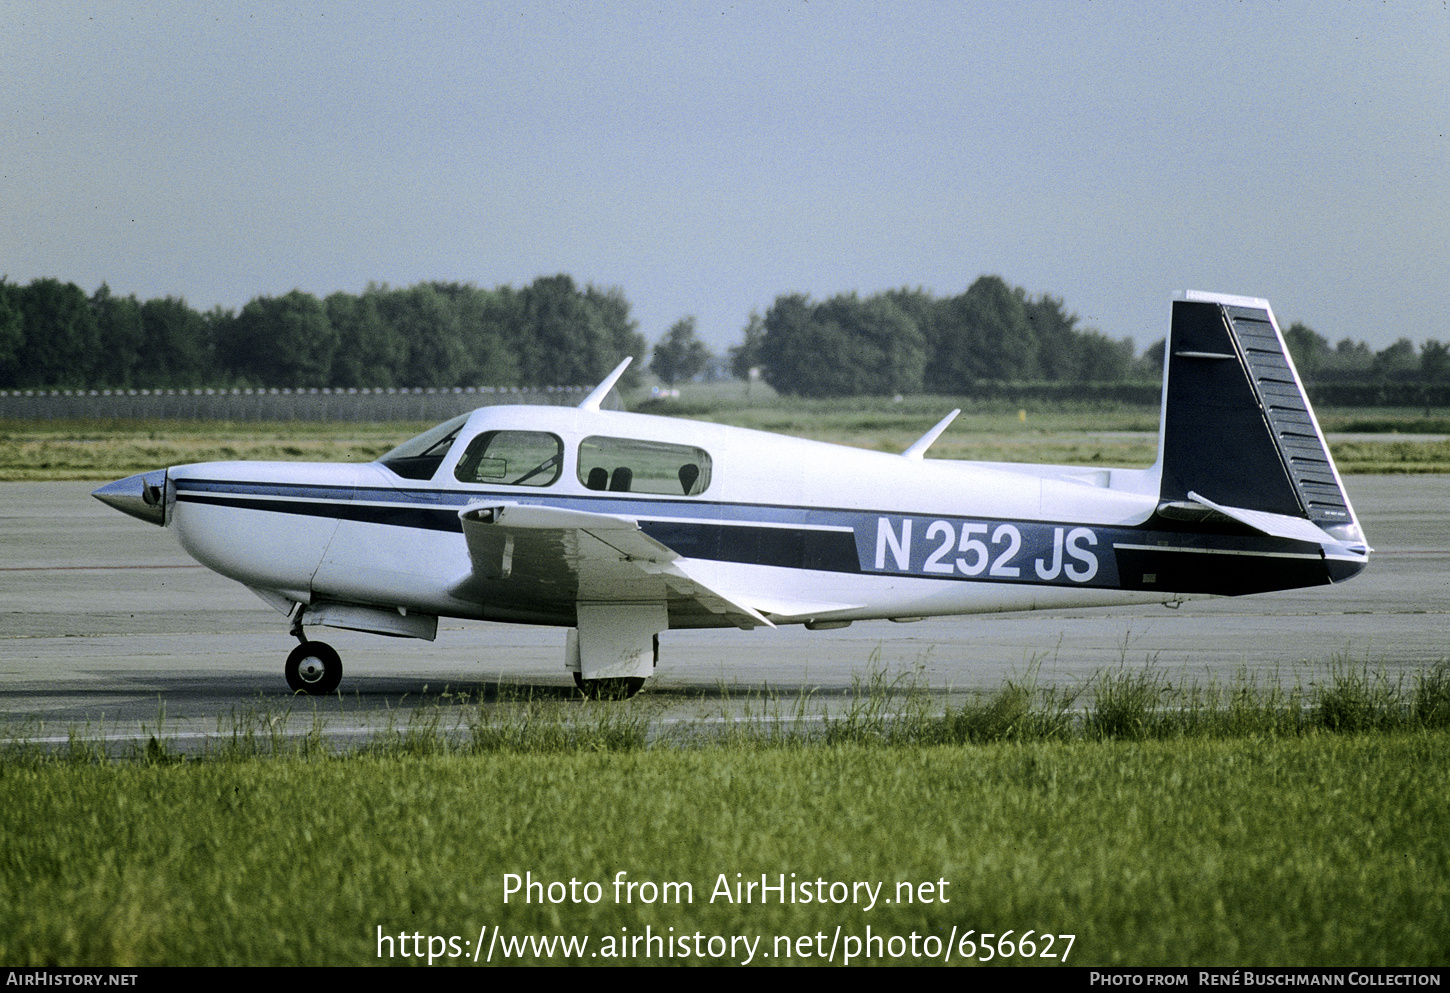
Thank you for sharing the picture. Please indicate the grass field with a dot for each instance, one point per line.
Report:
(1119, 436)
(1226, 829)
(1196, 852)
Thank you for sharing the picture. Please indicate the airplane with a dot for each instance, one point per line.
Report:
(619, 526)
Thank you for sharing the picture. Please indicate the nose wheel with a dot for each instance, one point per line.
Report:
(314, 667)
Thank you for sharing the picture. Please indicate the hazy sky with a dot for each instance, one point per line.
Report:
(707, 157)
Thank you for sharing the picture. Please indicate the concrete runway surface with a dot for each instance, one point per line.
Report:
(107, 627)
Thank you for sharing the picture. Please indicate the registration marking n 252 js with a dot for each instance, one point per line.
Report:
(1026, 552)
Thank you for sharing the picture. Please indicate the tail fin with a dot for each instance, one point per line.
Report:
(1238, 435)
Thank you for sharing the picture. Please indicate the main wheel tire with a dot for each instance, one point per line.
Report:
(614, 688)
(313, 668)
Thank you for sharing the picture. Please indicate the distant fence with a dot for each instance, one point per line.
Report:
(391, 404)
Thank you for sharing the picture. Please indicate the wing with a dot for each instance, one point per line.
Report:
(572, 556)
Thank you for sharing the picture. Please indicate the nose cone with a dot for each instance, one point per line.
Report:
(142, 495)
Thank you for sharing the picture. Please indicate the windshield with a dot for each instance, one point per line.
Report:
(420, 457)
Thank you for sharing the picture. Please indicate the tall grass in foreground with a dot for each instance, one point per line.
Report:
(1139, 705)
(1116, 704)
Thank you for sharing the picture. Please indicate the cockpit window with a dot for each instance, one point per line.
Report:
(420, 457)
(512, 458)
(628, 465)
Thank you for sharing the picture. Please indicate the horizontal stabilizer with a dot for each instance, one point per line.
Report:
(1274, 525)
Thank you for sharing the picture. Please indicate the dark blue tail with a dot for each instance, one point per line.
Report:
(1238, 431)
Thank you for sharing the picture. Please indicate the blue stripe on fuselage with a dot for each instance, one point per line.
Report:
(845, 540)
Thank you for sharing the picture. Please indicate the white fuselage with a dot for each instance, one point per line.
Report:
(927, 537)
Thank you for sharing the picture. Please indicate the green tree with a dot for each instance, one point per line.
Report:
(884, 351)
(746, 355)
(843, 347)
(1101, 359)
(568, 338)
(1396, 361)
(918, 304)
(925, 312)
(619, 333)
(1351, 349)
(1310, 351)
(61, 342)
(553, 339)
(983, 334)
(176, 348)
(1349, 360)
(369, 352)
(427, 324)
(789, 347)
(1063, 353)
(1150, 364)
(484, 320)
(280, 341)
(1435, 361)
(12, 333)
(120, 336)
(220, 322)
(681, 355)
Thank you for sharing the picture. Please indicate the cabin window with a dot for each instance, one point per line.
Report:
(420, 457)
(512, 458)
(627, 465)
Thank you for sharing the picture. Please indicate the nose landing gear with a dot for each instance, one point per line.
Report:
(314, 668)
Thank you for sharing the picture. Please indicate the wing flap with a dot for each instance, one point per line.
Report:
(587, 557)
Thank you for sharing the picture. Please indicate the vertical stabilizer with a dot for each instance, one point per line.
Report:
(1238, 430)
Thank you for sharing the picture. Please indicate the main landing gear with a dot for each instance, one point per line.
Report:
(314, 667)
(616, 688)
(614, 648)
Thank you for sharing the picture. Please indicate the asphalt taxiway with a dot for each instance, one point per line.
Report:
(108, 628)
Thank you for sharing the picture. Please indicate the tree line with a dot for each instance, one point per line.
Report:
(553, 332)
(1353, 362)
(909, 341)
(549, 333)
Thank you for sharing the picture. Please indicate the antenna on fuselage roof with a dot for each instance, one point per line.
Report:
(918, 448)
(597, 395)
